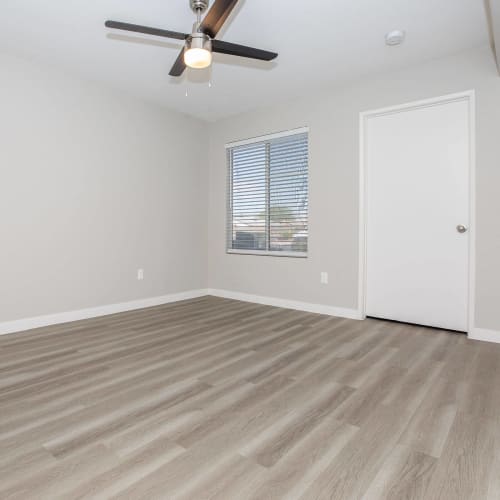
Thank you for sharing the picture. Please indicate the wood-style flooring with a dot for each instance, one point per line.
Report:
(218, 399)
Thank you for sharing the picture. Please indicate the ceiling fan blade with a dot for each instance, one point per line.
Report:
(145, 29)
(179, 65)
(234, 49)
(217, 16)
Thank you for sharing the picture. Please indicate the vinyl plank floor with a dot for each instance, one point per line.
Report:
(213, 398)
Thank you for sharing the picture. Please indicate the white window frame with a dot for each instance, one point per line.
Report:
(253, 140)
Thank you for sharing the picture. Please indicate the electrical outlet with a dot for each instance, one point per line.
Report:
(140, 274)
(324, 278)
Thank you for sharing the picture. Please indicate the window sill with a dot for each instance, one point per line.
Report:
(299, 255)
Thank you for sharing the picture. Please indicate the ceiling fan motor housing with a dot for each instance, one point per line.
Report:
(199, 5)
(198, 40)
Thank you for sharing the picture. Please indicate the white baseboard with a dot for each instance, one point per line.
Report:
(288, 304)
(485, 335)
(94, 312)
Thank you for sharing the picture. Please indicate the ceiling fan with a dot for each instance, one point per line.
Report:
(199, 45)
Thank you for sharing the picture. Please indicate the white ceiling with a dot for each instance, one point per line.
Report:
(321, 43)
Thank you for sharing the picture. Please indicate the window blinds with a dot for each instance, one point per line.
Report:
(268, 195)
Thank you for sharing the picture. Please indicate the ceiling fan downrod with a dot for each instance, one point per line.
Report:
(198, 7)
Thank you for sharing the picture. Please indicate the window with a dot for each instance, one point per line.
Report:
(268, 195)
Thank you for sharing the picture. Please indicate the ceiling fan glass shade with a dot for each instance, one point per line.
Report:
(198, 53)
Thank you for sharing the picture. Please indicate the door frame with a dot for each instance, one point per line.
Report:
(467, 96)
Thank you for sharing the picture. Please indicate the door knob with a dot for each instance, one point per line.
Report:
(461, 229)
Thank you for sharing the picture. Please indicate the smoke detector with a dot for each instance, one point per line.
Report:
(395, 37)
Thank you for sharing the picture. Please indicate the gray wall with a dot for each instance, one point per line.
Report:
(333, 118)
(94, 185)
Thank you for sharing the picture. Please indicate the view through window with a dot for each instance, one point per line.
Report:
(268, 195)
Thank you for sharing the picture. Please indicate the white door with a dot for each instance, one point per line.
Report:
(417, 198)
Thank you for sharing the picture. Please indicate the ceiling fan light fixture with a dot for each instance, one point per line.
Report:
(198, 53)
(202, 42)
